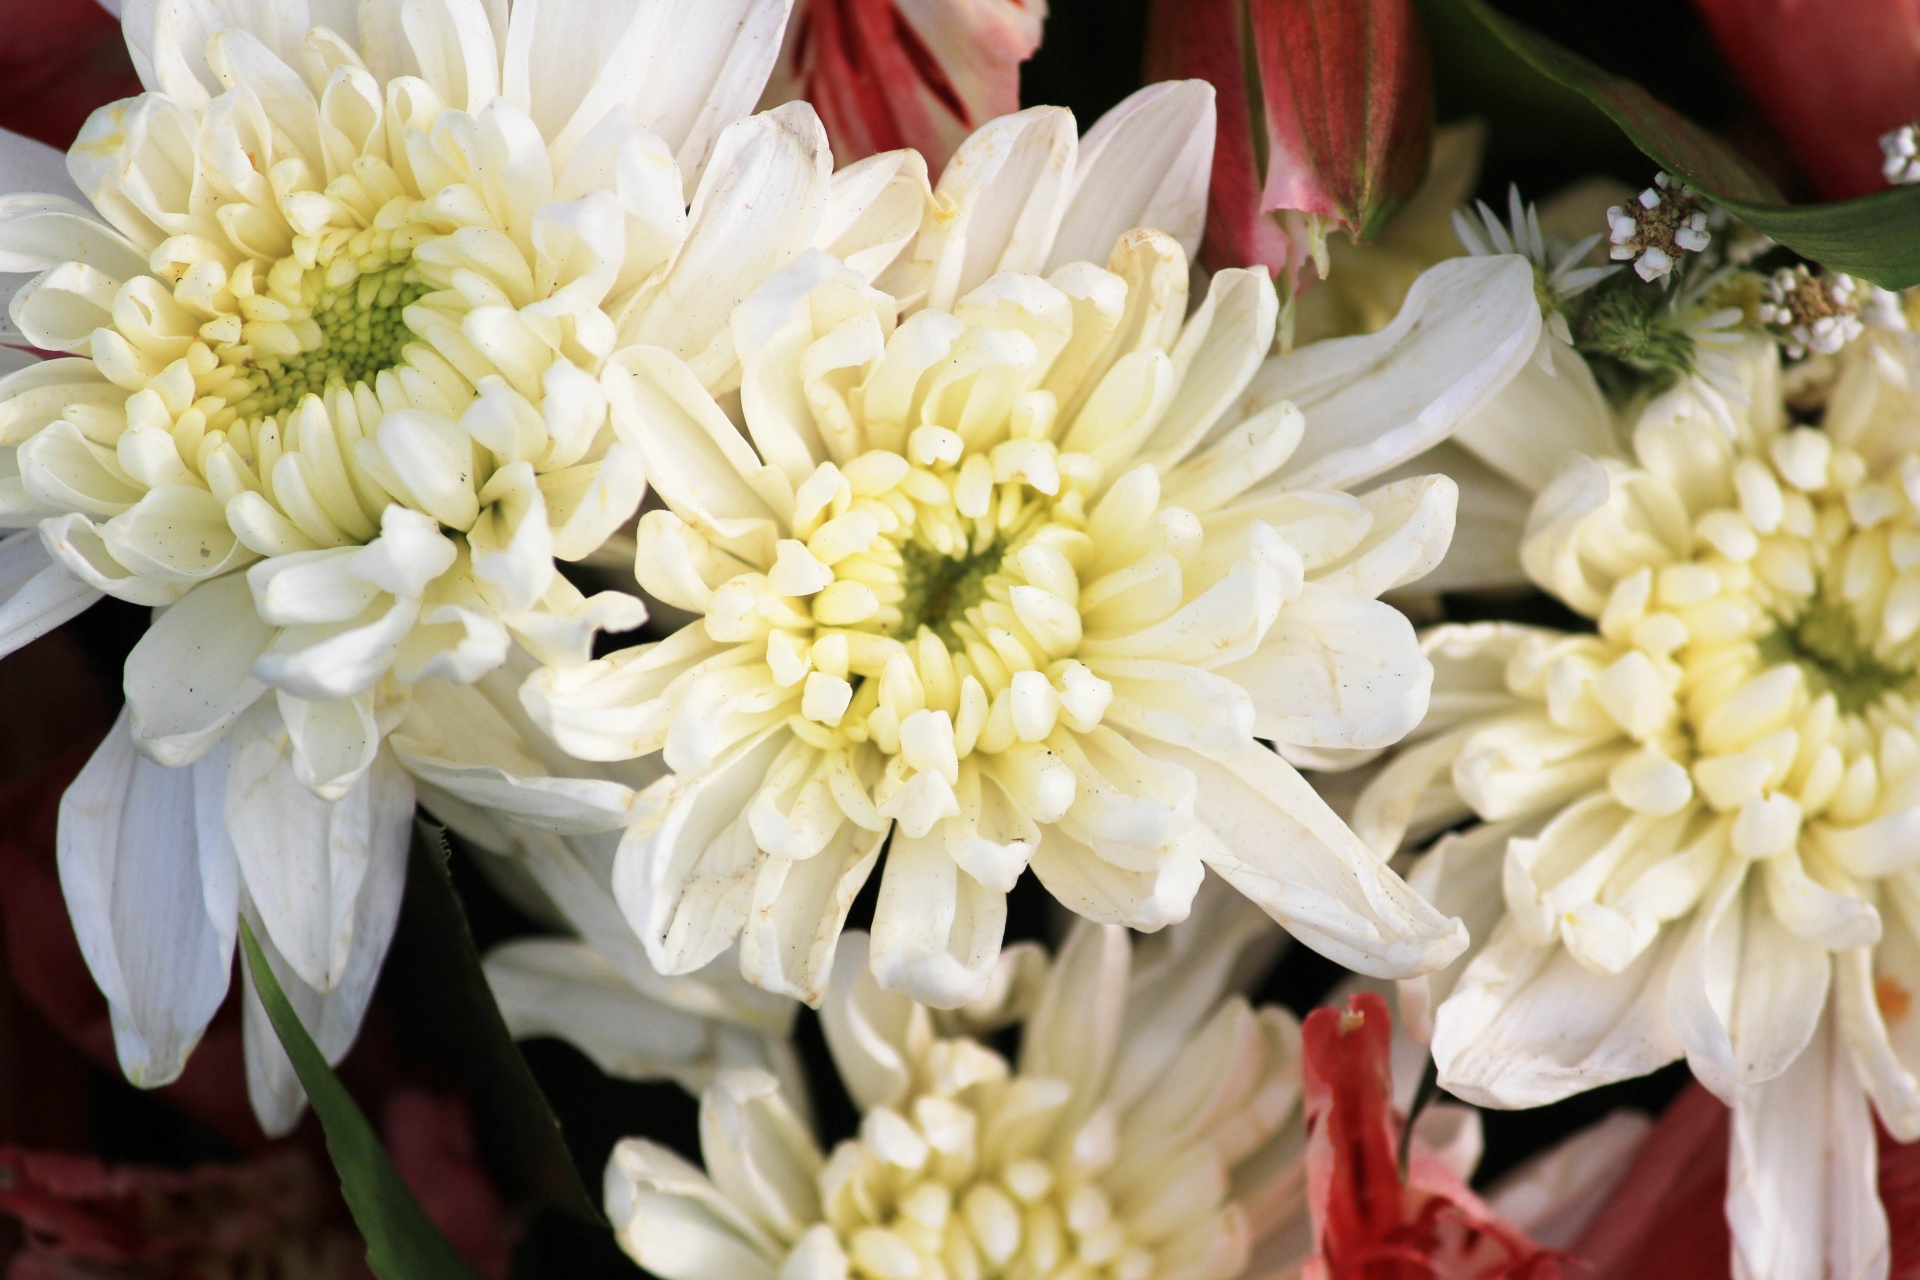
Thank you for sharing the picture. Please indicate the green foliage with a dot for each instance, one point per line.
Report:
(402, 1242)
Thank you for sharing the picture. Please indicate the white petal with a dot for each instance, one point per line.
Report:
(757, 207)
(1467, 327)
(332, 1019)
(936, 930)
(36, 595)
(454, 43)
(556, 987)
(1803, 1196)
(1527, 1025)
(1001, 199)
(799, 910)
(687, 885)
(140, 887)
(1075, 1030)
(674, 1222)
(454, 739)
(189, 677)
(1276, 841)
(1336, 670)
(684, 69)
(1746, 995)
(1541, 418)
(1145, 163)
(759, 1153)
(307, 861)
(1221, 348)
(1413, 522)
(1089, 885)
(41, 231)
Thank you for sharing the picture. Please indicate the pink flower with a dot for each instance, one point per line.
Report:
(1831, 76)
(1342, 99)
(885, 74)
(1367, 1223)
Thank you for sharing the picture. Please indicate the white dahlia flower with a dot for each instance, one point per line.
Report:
(1695, 829)
(339, 384)
(1013, 561)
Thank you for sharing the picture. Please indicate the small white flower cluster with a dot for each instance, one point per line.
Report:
(1901, 147)
(1665, 221)
(1811, 313)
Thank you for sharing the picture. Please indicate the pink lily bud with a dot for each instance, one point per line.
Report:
(886, 74)
(1338, 128)
(1832, 78)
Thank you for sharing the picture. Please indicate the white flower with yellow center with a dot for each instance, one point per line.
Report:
(1699, 825)
(336, 395)
(1017, 574)
(1149, 1129)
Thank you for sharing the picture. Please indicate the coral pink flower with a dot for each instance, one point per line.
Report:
(1830, 76)
(885, 74)
(1369, 1224)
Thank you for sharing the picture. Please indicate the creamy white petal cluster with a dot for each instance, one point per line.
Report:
(1150, 1128)
(337, 390)
(1698, 826)
(1016, 574)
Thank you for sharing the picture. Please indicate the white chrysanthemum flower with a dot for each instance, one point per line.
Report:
(1149, 1128)
(1017, 576)
(339, 389)
(1695, 829)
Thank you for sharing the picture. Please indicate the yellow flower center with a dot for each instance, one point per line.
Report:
(947, 1186)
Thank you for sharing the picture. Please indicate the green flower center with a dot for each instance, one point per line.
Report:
(350, 334)
(940, 589)
(1825, 643)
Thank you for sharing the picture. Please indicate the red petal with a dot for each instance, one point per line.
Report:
(880, 82)
(1667, 1217)
(1831, 78)
(1202, 40)
(1349, 106)
(1353, 1175)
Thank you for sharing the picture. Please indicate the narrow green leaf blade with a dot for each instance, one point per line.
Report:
(1876, 237)
(453, 1019)
(402, 1242)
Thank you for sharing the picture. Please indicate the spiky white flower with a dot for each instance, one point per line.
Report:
(1694, 831)
(1015, 574)
(337, 390)
(1665, 221)
(1558, 275)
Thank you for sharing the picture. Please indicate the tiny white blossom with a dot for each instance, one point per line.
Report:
(1812, 313)
(1901, 147)
(1653, 231)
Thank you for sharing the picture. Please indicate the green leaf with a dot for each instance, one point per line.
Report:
(452, 1018)
(1876, 237)
(402, 1242)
